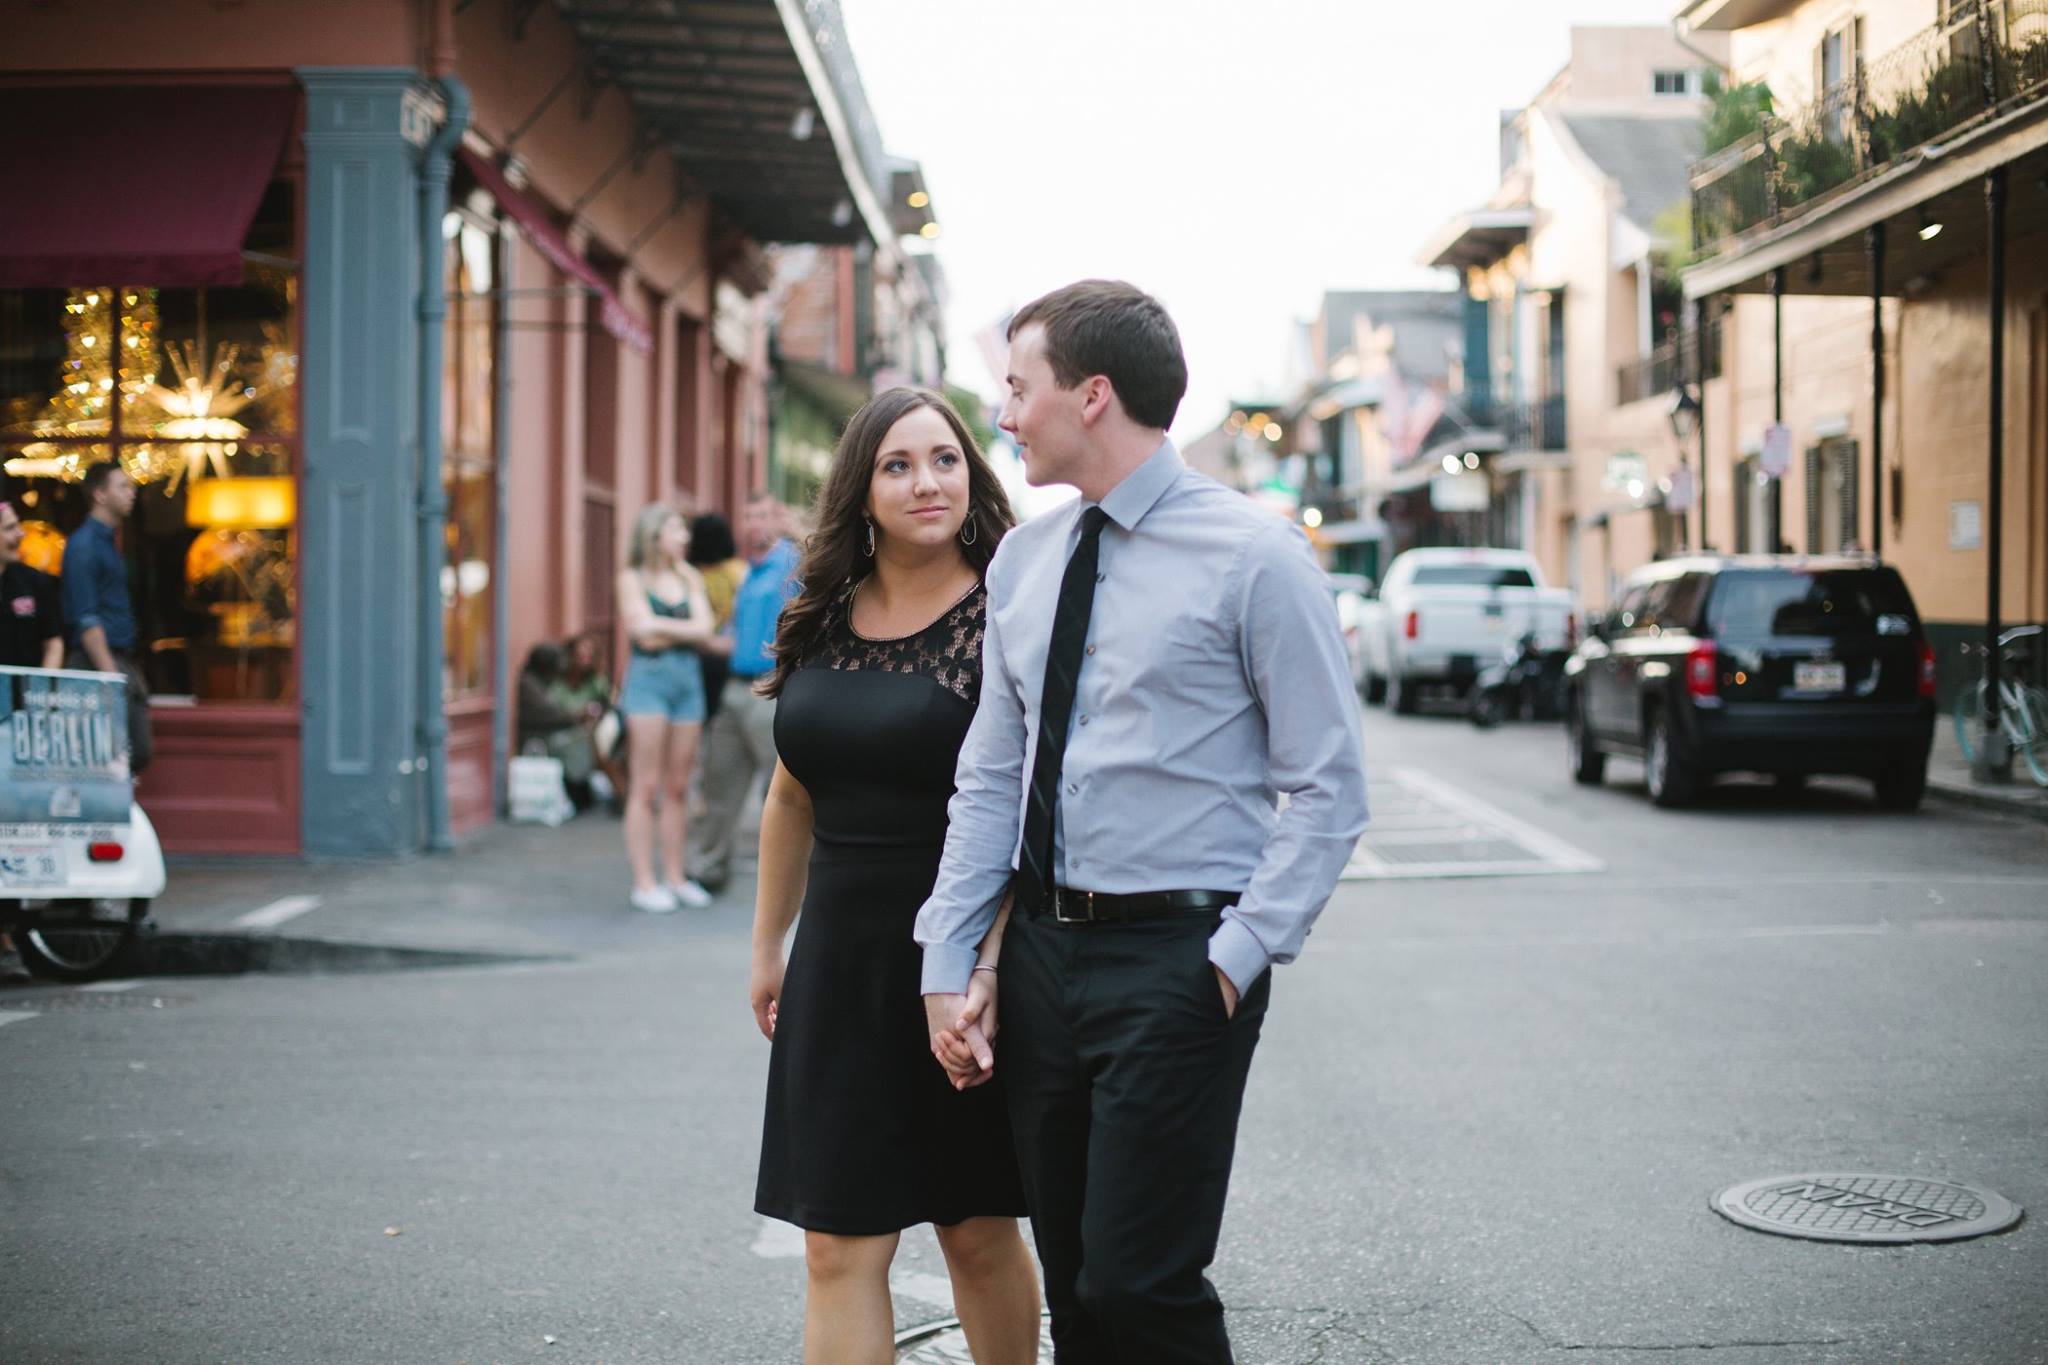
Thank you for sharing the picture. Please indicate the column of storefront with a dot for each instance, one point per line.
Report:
(361, 447)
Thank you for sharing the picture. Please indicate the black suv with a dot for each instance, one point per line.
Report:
(1780, 664)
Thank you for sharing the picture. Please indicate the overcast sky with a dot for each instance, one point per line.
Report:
(1234, 157)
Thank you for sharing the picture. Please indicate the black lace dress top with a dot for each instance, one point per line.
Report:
(863, 1134)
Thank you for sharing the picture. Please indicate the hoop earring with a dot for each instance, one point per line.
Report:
(969, 533)
(869, 548)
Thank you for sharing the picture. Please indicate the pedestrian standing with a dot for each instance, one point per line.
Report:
(31, 622)
(1162, 662)
(877, 667)
(716, 555)
(99, 616)
(31, 636)
(739, 744)
(668, 620)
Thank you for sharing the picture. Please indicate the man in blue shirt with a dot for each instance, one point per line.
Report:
(99, 619)
(739, 743)
(1160, 664)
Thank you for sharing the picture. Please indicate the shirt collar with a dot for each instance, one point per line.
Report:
(778, 554)
(1129, 501)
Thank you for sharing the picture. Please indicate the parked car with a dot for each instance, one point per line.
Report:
(1779, 664)
(1352, 591)
(1444, 614)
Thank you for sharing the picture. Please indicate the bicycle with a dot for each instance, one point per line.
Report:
(2022, 706)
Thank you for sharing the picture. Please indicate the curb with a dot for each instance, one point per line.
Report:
(2027, 808)
(175, 953)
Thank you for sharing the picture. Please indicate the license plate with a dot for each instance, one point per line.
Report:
(1820, 677)
(30, 866)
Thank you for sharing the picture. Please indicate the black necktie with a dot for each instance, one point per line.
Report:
(1056, 709)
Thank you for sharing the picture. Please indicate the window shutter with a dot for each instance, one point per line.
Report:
(1845, 453)
(1816, 493)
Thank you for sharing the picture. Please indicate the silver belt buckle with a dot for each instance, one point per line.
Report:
(1061, 898)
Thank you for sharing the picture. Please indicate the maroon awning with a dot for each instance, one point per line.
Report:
(151, 185)
(549, 241)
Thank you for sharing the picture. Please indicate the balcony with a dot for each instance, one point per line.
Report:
(1530, 425)
(1987, 58)
(1666, 367)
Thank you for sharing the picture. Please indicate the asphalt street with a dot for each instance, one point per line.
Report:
(1526, 1046)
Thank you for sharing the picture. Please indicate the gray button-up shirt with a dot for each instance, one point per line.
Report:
(1215, 678)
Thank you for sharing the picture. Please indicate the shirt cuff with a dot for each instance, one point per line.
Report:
(947, 968)
(1238, 952)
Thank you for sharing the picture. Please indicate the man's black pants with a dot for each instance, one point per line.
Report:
(1125, 1080)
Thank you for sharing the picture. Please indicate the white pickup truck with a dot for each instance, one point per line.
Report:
(1441, 615)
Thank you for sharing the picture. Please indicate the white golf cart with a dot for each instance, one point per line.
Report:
(79, 861)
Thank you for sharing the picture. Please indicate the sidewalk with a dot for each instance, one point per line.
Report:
(1948, 779)
(512, 889)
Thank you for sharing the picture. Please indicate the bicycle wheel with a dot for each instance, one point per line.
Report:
(1970, 719)
(2030, 738)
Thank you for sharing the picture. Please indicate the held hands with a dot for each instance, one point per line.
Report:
(962, 1028)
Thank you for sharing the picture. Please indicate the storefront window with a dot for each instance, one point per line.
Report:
(194, 391)
(469, 452)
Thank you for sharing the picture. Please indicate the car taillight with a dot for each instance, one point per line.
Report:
(1413, 628)
(1701, 666)
(104, 853)
(1926, 669)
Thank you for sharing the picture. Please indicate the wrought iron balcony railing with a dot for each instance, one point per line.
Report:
(1536, 425)
(1666, 367)
(1984, 57)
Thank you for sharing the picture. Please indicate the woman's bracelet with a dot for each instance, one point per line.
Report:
(988, 967)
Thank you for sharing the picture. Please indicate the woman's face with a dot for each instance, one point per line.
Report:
(674, 538)
(918, 492)
(10, 535)
(583, 654)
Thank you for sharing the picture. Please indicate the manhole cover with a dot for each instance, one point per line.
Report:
(943, 1343)
(1860, 1207)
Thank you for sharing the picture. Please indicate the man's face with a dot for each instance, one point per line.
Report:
(117, 494)
(1043, 418)
(761, 523)
(10, 535)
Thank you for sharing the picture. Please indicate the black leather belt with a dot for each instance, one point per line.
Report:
(1069, 906)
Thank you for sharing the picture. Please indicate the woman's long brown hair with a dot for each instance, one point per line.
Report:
(835, 558)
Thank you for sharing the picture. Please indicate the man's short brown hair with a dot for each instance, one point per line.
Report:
(1118, 331)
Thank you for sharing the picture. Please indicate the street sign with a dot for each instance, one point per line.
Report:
(1459, 492)
(1776, 456)
(1683, 489)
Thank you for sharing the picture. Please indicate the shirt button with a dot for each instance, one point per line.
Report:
(1091, 649)
(1072, 789)
(1084, 720)
(1102, 578)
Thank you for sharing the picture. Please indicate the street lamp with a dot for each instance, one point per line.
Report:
(1685, 427)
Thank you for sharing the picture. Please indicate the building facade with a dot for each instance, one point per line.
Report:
(1871, 226)
(1570, 288)
(415, 305)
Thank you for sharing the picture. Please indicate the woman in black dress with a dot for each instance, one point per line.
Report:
(878, 669)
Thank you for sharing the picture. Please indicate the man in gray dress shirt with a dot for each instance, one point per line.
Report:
(1184, 642)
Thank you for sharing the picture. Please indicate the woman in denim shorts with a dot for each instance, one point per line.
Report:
(668, 619)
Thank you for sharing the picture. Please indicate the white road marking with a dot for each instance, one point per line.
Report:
(1418, 810)
(778, 1240)
(276, 913)
(110, 987)
(935, 1290)
(15, 1016)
